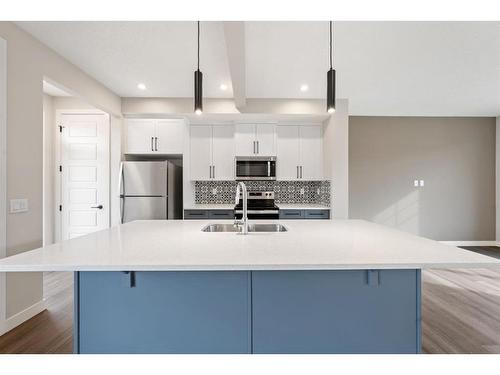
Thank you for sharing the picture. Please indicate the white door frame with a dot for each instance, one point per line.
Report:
(3, 177)
(57, 159)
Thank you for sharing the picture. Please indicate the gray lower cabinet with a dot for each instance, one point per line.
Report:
(304, 214)
(195, 214)
(344, 311)
(336, 311)
(209, 214)
(162, 312)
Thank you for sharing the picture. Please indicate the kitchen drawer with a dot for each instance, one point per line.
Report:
(291, 214)
(195, 214)
(221, 214)
(317, 214)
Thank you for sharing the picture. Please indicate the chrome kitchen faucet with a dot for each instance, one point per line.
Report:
(244, 218)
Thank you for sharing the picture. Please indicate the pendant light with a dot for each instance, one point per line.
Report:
(198, 83)
(330, 89)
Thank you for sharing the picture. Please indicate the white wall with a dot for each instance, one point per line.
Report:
(497, 178)
(336, 156)
(29, 63)
(48, 170)
(3, 164)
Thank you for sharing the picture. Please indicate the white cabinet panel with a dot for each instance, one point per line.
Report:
(299, 146)
(223, 152)
(170, 136)
(140, 136)
(244, 140)
(287, 153)
(311, 152)
(265, 135)
(201, 152)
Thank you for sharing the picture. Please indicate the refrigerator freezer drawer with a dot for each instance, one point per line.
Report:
(143, 208)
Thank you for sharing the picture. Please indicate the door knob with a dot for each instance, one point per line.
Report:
(99, 207)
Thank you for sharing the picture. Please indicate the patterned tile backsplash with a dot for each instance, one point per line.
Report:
(220, 192)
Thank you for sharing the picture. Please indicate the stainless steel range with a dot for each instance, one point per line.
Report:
(261, 205)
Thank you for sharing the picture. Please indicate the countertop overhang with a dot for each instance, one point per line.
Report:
(180, 245)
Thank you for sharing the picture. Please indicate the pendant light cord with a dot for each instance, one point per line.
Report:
(331, 48)
(198, 45)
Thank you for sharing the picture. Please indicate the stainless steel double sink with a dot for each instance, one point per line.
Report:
(252, 228)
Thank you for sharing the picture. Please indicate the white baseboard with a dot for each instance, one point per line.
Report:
(471, 243)
(21, 317)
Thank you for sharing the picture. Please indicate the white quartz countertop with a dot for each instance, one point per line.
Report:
(308, 244)
(220, 206)
(283, 206)
(301, 206)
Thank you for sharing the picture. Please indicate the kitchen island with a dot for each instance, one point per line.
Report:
(333, 286)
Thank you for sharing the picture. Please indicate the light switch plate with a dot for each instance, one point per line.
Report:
(421, 182)
(415, 183)
(18, 205)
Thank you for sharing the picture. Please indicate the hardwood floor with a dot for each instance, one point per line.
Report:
(51, 330)
(460, 313)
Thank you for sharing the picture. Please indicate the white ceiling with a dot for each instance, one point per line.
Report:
(383, 68)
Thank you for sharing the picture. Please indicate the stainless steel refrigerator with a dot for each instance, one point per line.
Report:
(150, 190)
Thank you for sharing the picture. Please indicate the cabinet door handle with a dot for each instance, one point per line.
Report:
(213, 174)
(209, 171)
(254, 147)
(297, 171)
(301, 171)
(152, 148)
(257, 147)
(156, 143)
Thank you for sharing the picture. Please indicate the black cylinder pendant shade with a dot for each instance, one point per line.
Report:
(198, 92)
(330, 91)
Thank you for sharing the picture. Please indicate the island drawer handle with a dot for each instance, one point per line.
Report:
(132, 277)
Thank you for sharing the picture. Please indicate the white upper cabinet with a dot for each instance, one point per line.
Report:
(201, 152)
(255, 140)
(311, 152)
(140, 136)
(223, 152)
(155, 136)
(244, 140)
(212, 152)
(287, 163)
(170, 136)
(299, 152)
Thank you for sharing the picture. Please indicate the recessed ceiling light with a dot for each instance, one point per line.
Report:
(304, 88)
(223, 87)
(141, 86)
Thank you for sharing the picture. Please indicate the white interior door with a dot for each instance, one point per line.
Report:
(244, 140)
(223, 152)
(266, 139)
(85, 174)
(287, 162)
(311, 152)
(201, 152)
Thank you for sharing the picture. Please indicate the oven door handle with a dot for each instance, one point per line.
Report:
(258, 211)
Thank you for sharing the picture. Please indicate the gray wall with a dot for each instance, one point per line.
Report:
(454, 156)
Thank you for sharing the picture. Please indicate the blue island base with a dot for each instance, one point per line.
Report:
(358, 311)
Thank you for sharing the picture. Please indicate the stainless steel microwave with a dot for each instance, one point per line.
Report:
(255, 167)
